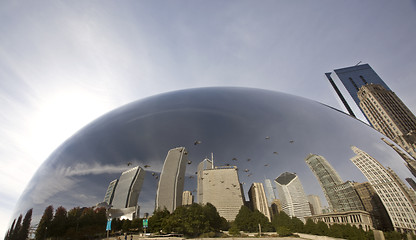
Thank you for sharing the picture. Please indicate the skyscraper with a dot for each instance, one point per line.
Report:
(292, 196)
(398, 206)
(347, 82)
(315, 204)
(341, 196)
(205, 164)
(109, 195)
(222, 188)
(187, 198)
(410, 163)
(388, 114)
(258, 199)
(269, 191)
(128, 188)
(172, 179)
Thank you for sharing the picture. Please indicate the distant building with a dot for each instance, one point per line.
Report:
(292, 196)
(109, 195)
(222, 188)
(172, 179)
(359, 219)
(187, 198)
(410, 162)
(412, 183)
(258, 199)
(409, 193)
(276, 207)
(268, 187)
(205, 164)
(398, 206)
(388, 114)
(341, 196)
(315, 204)
(372, 204)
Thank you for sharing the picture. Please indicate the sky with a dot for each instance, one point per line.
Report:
(65, 63)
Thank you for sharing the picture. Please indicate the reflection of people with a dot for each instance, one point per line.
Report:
(131, 237)
(125, 236)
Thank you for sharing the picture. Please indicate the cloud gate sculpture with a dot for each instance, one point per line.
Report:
(221, 145)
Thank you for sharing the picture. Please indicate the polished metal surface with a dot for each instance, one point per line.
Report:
(263, 133)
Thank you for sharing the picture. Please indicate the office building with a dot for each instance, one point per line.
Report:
(409, 193)
(372, 204)
(109, 195)
(276, 207)
(258, 199)
(410, 162)
(204, 165)
(398, 206)
(412, 183)
(268, 187)
(222, 188)
(187, 198)
(128, 188)
(315, 204)
(347, 82)
(292, 196)
(341, 196)
(172, 179)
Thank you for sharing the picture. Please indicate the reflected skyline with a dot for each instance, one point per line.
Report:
(263, 133)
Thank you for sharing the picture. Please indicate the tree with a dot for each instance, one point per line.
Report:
(17, 228)
(248, 221)
(58, 225)
(155, 221)
(10, 231)
(24, 230)
(42, 231)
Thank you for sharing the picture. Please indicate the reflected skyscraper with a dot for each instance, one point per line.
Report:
(341, 196)
(222, 188)
(268, 187)
(315, 204)
(410, 163)
(205, 164)
(172, 179)
(187, 198)
(258, 199)
(292, 196)
(128, 188)
(109, 195)
(398, 206)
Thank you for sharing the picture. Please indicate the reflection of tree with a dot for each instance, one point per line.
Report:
(248, 221)
(20, 230)
(42, 231)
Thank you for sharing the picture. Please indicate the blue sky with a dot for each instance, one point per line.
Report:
(65, 63)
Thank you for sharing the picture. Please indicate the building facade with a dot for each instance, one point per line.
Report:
(270, 195)
(276, 207)
(204, 165)
(292, 196)
(410, 162)
(315, 204)
(187, 198)
(222, 188)
(128, 188)
(359, 219)
(258, 199)
(398, 206)
(341, 196)
(109, 194)
(172, 179)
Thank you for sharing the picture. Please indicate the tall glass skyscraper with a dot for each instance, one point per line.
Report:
(204, 165)
(268, 187)
(128, 188)
(341, 196)
(172, 179)
(292, 195)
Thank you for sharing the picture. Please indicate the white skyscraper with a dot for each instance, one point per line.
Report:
(172, 179)
(398, 206)
(292, 196)
(258, 199)
(221, 188)
(205, 164)
(315, 203)
(187, 198)
(128, 188)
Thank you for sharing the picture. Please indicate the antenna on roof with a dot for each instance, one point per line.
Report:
(358, 63)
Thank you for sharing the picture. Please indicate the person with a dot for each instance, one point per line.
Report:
(125, 236)
(131, 236)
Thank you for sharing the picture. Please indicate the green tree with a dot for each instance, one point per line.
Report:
(42, 231)
(58, 225)
(155, 221)
(125, 225)
(234, 231)
(17, 228)
(248, 221)
(10, 231)
(24, 230)
(310, 227)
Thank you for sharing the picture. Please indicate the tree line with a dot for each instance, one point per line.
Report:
(20, 229)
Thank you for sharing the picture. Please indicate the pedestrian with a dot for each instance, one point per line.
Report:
(125, 236)
(131, 237)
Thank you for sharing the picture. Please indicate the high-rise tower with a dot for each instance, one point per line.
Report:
(398, 206)
(109, 195)
(222, 188)
(315, 204)
(172, 179)
(205, 164)
(292, 196)
(388, 115)
(258, 199)
(268, 187)
(341, 196)
(128, 188)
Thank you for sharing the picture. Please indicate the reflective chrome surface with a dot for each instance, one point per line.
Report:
(263, 133)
